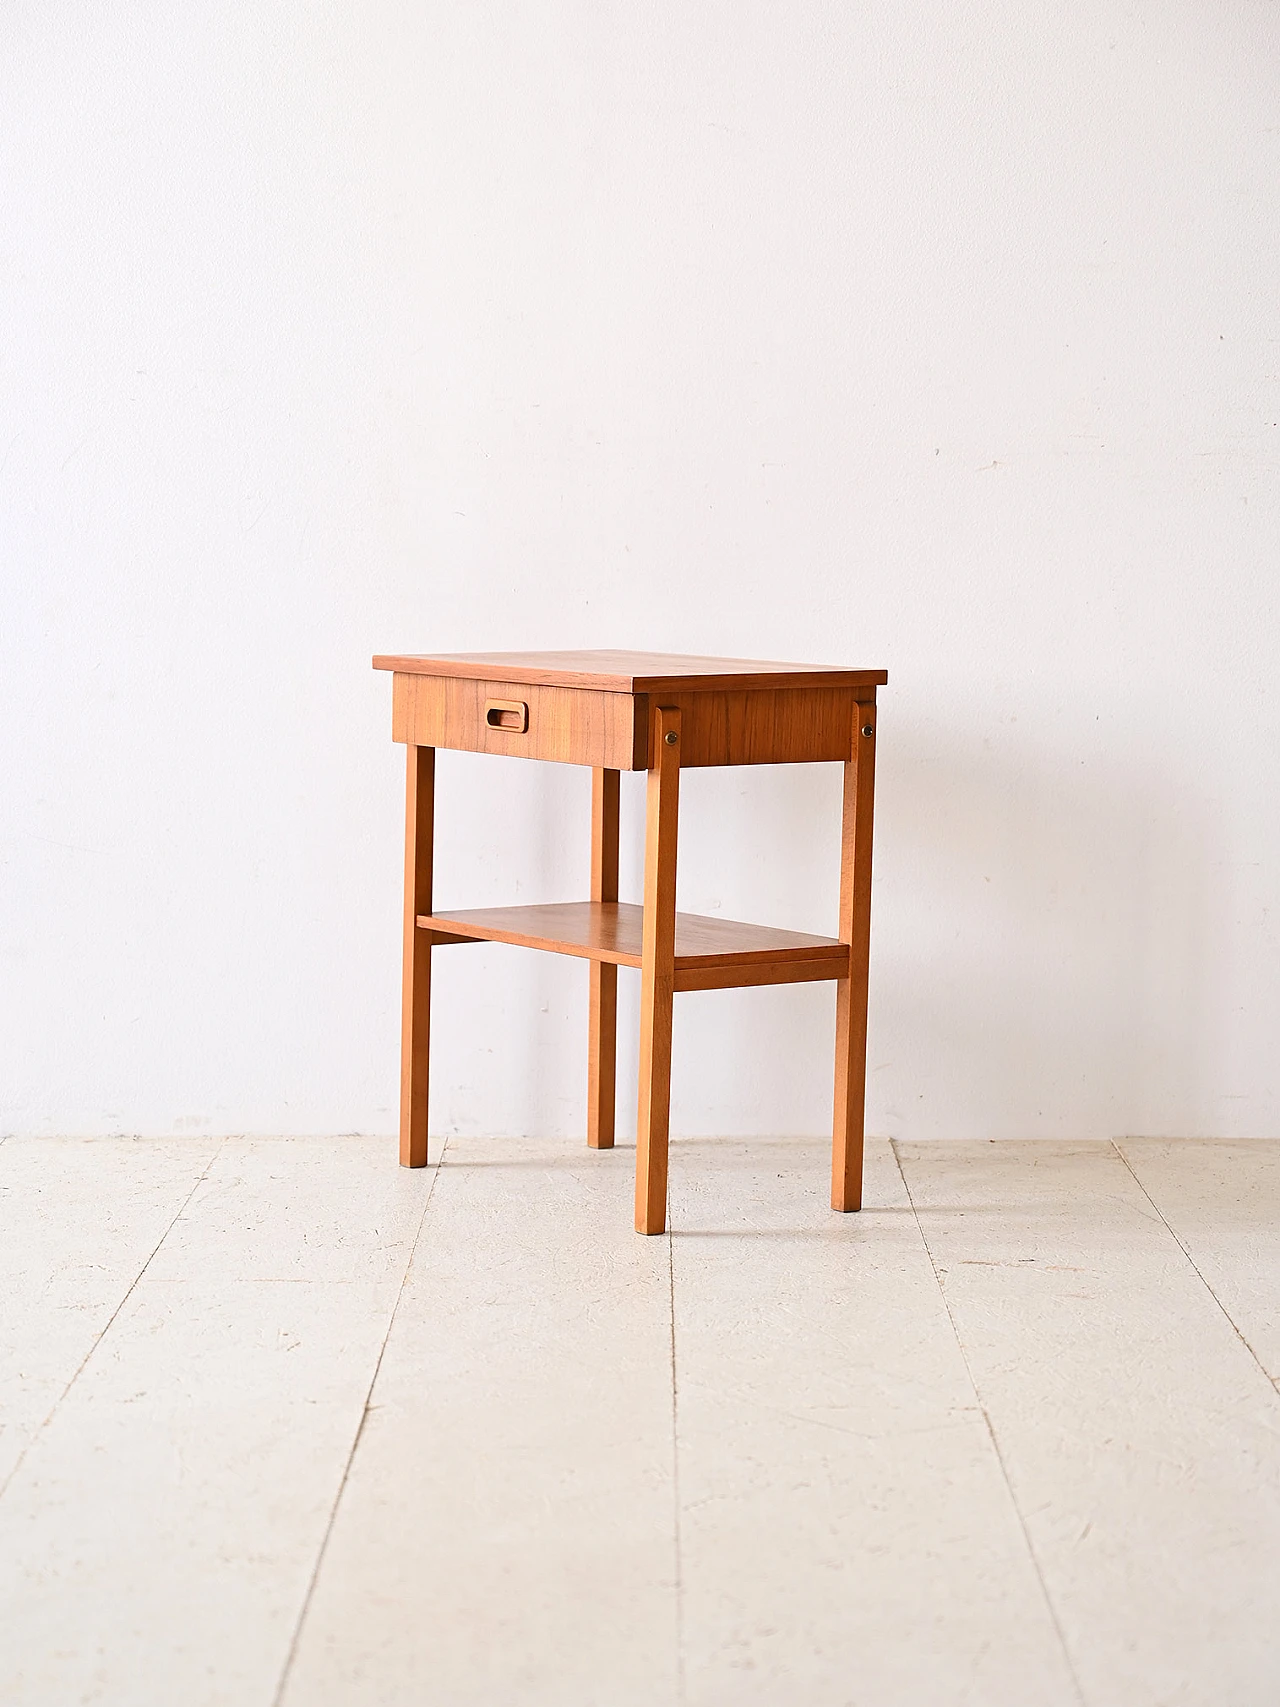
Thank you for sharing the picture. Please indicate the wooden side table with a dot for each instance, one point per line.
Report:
(659, 713)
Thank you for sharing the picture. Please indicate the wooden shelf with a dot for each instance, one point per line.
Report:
(711, 954)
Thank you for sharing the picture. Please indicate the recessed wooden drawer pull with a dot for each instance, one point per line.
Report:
(512, 714)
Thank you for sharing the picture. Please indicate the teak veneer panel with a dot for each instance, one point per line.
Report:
(613, 932)
(586, 726)
(625, 672)
(779, 726)
(569, 725)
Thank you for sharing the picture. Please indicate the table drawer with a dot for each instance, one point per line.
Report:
(576, 726)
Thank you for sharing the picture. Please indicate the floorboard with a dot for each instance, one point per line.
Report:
(158, 1540)
(507, 1531)
(80, 1219)
(846, 1532)
(1222, 1202)
(1139, 1435)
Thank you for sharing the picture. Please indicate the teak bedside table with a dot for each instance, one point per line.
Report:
(658, 712)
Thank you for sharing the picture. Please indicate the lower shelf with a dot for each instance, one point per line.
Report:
(711, 954)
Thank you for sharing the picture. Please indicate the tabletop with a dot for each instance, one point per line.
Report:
(627, 672)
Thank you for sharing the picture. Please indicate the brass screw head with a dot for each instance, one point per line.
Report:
(671, 737)
(868, 729)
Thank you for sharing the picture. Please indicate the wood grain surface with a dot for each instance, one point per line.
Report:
(657, 970)
(613, 933)
(415, 1003)
(851, 992)
(626, 672)
(784, 724)
(580, 726)
(602, 1046)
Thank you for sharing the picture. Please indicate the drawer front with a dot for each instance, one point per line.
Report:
(575, 726)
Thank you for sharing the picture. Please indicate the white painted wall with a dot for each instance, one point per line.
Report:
(934, 337)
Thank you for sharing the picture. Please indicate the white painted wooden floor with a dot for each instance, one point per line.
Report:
(283, 1423)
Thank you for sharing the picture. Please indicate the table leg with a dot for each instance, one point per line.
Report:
(602, 1049)
(415, 1001)
(657, 972)
(851, 992)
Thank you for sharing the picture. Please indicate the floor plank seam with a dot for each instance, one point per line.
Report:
(991, 1433)
(1195, 1269)
(107, 1325)
(675, 1477)
(292, 1654)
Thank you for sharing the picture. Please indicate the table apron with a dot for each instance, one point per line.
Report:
(587, 726)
